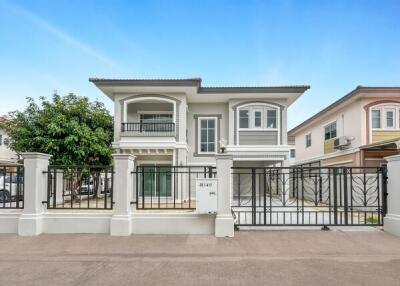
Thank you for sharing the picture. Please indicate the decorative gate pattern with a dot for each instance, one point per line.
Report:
(311, 196)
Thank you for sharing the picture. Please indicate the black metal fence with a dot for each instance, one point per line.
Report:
(80, 187)
(168, 187)
(314, 196)
(11, 187)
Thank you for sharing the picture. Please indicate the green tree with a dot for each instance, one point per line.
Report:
(71, 128)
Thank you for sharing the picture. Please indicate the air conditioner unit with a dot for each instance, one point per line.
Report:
(342, 142)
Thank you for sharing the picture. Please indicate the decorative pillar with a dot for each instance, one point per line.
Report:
(59, 186)
(286, 180)
(35, 181)
(121, 223)
(391, 221)
(224, 223)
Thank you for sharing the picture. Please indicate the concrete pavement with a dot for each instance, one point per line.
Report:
(251, 258)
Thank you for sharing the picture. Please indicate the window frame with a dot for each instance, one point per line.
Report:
(306, 137)
(199, 119)
(142, 113)
(252, 109)
(328, 125)
(248, 118)
(276, 119)
(253, 121)
(384, 108)
(393, 110)
(380, 118)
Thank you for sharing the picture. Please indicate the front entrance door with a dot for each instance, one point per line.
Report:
(156, 180)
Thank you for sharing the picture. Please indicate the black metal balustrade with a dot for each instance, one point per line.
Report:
(11, 187)
(149, 127)
(168, 187)
(311, 196)
(80, 187)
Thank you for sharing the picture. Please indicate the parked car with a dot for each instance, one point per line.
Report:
(11, 188)
(86, 189)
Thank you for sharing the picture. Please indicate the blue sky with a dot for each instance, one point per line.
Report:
(331, 45)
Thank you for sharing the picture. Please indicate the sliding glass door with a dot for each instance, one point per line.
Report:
(157, 180)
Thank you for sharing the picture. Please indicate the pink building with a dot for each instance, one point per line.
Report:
(359, 129)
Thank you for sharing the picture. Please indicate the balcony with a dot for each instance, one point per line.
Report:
(161, 129)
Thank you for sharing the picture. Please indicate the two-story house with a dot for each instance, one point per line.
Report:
(359, 129)
(177, 122)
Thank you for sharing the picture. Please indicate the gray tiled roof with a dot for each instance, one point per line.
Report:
(197, 82)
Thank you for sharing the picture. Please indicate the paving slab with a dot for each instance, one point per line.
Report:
(282, 257)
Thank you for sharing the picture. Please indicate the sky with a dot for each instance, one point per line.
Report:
(333, 46)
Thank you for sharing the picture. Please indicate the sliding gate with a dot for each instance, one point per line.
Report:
(309, 196)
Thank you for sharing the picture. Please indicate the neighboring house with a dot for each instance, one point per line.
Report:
(7, 156)
(181, 123)
(359, 129)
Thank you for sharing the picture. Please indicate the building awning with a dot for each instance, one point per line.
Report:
(392, 144)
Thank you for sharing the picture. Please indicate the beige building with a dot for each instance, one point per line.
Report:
(359, 129)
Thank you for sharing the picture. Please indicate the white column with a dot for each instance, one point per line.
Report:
(35, 180)
(224, 223)
(59, 186)
(285, 176)
(391, 221)
(121, 224)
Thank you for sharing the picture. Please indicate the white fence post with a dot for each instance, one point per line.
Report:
(391, 222)
(121, 223)
(224, 223)
(35, 188)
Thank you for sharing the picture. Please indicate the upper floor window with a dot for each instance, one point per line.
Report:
(330, 131)
(390, 118)
(155, 118)
(244, 118)
(271, 118)
(376, 118)
(292, 153)
(308, 140)
(385, 117)
(208, 138)
(258, 117)
(1, 139)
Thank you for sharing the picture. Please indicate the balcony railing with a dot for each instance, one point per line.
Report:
(149, 128)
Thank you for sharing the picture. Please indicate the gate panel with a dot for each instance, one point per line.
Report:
(309, 196)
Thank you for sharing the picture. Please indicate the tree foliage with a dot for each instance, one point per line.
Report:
(71, 128)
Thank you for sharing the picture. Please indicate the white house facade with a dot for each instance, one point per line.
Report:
(179, 122)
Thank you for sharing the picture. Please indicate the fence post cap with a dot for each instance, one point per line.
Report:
(36, 155)
(393, 158)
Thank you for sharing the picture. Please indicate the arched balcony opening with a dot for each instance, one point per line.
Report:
(149, 116)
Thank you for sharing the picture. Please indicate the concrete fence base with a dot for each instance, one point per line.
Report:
(35, 219)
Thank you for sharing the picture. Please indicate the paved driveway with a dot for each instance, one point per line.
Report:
(251, 258)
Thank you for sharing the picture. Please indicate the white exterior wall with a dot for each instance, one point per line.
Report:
(348, 122)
